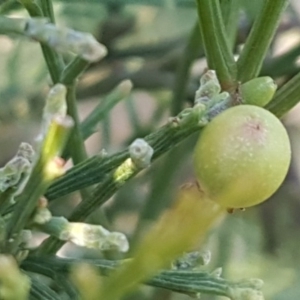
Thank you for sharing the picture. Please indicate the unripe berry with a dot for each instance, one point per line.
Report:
(242, 156)
(258, 91)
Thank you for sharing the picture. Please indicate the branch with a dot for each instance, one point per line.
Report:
(286, 97)
(53, 60)
(219, 56)
(191, 282)
(191, 51)
(94, 169)
(259, 40)
(46, 169)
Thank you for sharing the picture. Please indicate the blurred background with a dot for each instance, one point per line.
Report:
(147, 43)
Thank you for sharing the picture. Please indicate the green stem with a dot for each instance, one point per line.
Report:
(192, 49)
(6, 198)
(87, 127)
(47, 8)
(191, 282)
(75, 145)
(94, 169)
(43, 173)
(217, 50)
(78, 152)
(286, 97)
(54, 63)
(104, 190)
(106, 132)
(12, 26)
(85, 174)
(39, 290)
(61, 283)
(73, 70)
(100, 195)
(8, 6)
(133, 115)
(230, 12)
(32, 7)
(68, 78)
(283, 65)
(259, 40)
(53, 60)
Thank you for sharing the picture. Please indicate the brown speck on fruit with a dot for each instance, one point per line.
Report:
(255, 130)
(230, 210)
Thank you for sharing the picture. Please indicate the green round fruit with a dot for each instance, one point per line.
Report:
(242, 156)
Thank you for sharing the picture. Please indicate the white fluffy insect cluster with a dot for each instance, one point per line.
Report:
(85, 235)
(16, 171)
(55, 105)
(141, 153)
(209, 94)
(64, 39)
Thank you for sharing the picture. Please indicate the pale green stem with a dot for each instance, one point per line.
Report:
(219, 56)
(258, 42)
(46, 169)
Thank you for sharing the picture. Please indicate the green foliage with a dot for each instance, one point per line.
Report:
(115, 49)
